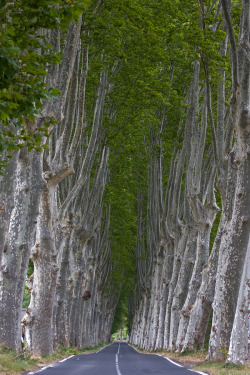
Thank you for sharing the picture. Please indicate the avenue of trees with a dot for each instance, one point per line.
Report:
(125, 174)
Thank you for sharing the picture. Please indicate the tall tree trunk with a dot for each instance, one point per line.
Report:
(181, 288)
(61, 309)
(194, 321)
(28, 189)
(39, 326)
(166, 277)
(181, 239)
(239, 341)
(7, 187)
(227, 288)
(200, 312)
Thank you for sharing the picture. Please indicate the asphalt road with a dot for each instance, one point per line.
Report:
(115, 359)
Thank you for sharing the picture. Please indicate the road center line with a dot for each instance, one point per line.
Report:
(117, 362)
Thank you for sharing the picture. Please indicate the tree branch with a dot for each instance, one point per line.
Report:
(232, 42)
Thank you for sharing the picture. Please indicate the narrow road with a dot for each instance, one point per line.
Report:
(115, 359)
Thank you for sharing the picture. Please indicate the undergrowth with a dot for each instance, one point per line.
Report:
(13, 363)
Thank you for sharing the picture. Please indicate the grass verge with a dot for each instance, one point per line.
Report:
(12, 363)
(197, 361)
(220, 368)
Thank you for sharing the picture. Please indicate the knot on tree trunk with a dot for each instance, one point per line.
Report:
(86, 295)
(186, 312)
(4, 268)
(35, 252)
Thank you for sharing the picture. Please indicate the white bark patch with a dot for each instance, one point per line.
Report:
(239, 342)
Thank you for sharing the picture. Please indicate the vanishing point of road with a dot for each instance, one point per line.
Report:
(116, 359)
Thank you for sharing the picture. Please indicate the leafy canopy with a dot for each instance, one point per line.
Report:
(25, 58)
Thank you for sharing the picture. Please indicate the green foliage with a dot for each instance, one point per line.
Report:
(122, 314)
(26, 294)
(216, 221)
(30, 268)
(149, 49)
(25, 58)
(26, 297)
(156, 54)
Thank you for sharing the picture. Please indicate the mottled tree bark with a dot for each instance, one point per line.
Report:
(7, 187)
(166, 277)
(239, 341)
(234, 251)
(200, 312)
(181, 288)
(39, 318)
(28, 189)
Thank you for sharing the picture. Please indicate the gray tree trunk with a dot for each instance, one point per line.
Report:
(28, 189)
(227, 288)
(7, 187)
(239, 341)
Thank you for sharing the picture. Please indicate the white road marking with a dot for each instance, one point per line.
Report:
(168, 359)
(44, 368)
(177, 364)
(117, 362)
(174, 363)
(199, 372)
(49, 366)
(65, 359)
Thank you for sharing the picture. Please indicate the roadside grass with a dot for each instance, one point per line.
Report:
(197, 361)
(12, 363)
(220, 368)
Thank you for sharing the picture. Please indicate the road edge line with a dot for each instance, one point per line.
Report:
(65, 359)
(50, 365)
(198, 372)
(170, 360)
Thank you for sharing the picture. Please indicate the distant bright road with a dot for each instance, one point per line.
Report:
(115, 359)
